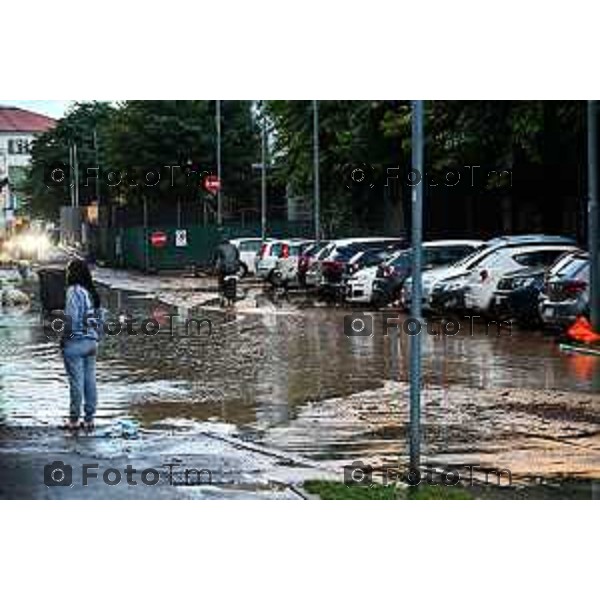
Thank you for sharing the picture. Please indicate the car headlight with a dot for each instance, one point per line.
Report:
(522, 282)
(456, 284)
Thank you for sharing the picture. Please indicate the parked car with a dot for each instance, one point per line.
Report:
(518, 292)
(248, 248)
(269, 253)
(286, 268)
(390, 277)
(482, 281)
(333, 262)
(308, 258)
(566, 291)
(471, 282)
(361, 271)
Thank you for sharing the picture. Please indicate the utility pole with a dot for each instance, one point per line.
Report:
(593, 220)
(97, 167)
(218, 125)
(71, 173)
(76, 163)
(417, 235)
(316, 182)
(263, 186)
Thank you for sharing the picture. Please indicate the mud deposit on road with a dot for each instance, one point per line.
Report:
(284, 378)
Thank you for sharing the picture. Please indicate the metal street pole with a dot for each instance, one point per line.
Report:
(71, 173)
(593, 220)
(76, 163)
(417, 235)
(97, 167)
(218, 123)
(263, 186)
(316, 170)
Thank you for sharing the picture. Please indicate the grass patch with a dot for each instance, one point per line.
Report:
(437, 492)
(333, 490)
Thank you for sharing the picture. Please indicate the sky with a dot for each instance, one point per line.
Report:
(51, 108)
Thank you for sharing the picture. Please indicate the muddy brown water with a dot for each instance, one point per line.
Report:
(279, 371)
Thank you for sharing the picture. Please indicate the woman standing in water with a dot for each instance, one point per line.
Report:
(81, 344)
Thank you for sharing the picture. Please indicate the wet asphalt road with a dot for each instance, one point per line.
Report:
(284, 378)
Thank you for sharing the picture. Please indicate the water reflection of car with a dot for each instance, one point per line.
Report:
(566, 291)
(390, 278)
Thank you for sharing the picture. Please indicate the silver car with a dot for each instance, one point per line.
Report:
(286, 267)
(270, 252)
(248, 249)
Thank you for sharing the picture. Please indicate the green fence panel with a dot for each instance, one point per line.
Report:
(131, 247)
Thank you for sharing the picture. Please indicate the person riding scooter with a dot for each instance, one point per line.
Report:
(227, 264)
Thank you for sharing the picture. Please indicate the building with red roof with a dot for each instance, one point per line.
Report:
(18, 128)
(19, 120)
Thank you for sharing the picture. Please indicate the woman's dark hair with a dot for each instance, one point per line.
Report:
(79, 274)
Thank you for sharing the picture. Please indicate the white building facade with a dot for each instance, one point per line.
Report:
(18, 129)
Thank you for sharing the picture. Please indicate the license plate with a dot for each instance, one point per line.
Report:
(548, 312)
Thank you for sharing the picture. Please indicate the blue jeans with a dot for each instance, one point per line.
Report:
(80, 363)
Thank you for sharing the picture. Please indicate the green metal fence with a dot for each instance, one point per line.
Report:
(132, 248)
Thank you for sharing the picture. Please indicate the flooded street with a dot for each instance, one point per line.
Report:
(281, 383)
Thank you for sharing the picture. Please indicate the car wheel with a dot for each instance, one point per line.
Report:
(274, 278)
(243, 271)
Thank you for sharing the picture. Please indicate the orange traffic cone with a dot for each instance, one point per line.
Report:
(581, 331)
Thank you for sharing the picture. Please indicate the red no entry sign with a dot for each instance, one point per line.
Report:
(158, 239)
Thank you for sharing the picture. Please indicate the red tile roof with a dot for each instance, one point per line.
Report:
(19, 119)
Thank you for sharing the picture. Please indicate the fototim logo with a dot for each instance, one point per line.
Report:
(359, 473)
(60, 474)
(57, 324)
(60, 175)
(362, 325)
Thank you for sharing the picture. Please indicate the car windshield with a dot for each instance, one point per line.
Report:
(372, 258)
(570, 269)
(250, 246)
(344, 253)
(276, 249)
(315, 249)
(445, 255)
(401, 260)
(477, 253)
(433, 256)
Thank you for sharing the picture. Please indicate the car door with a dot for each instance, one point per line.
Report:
(248, 252)
(485, 274)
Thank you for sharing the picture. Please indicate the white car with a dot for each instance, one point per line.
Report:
(286, 267)
(248, 249)
(269, 254)
(482, 280)
(479, 273)
(439, 252)
(360, 286)
(364, 267)
(328, 271)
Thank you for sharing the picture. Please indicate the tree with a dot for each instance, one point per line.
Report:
(44, 197)
(139, 141)
(177, 138)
